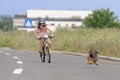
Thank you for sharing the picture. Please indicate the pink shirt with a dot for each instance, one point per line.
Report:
(42, 32)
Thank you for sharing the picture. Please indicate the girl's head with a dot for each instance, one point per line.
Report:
(41, 23)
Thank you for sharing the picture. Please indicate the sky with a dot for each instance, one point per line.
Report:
(12, 7)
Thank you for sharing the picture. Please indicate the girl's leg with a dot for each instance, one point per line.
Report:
(49, 42)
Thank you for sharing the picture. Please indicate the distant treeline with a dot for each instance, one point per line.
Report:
(6, 22)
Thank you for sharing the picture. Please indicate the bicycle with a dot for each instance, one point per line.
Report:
(45, 49)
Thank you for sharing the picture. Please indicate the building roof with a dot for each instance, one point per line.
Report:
(33, 13)
(20, 16)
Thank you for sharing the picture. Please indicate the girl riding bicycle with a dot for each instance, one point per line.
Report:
(42, 31)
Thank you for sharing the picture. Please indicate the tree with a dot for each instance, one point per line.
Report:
(101, 18)
(6, 22)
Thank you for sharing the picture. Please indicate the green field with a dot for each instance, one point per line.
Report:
(105, 41)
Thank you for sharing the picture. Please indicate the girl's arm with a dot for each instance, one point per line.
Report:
(35, 34)
(50, 31)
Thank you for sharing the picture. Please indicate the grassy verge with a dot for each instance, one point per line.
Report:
(18, 40)
(105, 41)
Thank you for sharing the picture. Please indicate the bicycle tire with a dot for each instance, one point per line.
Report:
(43, 56)
(48, 56)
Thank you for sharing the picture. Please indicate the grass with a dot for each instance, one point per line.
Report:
(105, 41)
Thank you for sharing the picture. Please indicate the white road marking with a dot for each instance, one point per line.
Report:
(8, 54)
(0, 51)
(15, 57)
(19, 62)
(17, 71)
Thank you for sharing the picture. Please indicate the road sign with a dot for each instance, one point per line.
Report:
(28, 23)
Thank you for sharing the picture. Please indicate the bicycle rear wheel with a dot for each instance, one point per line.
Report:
(48, 56)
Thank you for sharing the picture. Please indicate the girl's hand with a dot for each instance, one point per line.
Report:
(37, 37)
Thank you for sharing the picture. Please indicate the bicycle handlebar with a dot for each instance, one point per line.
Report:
(45, 37)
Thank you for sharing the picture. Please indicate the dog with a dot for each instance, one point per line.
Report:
(92, 57)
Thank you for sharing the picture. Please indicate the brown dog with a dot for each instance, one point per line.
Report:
(93, 57)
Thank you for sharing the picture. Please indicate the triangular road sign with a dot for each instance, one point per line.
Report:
(28, 23)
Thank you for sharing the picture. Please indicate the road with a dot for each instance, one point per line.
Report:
(26, 65)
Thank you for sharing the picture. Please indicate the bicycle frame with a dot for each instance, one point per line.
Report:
(44, 43)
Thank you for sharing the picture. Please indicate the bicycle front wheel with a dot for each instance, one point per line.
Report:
(43, 56)
(48, 56)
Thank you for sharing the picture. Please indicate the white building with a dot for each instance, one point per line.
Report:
(61, 18)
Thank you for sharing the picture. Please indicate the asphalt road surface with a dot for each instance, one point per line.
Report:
(26, 65)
